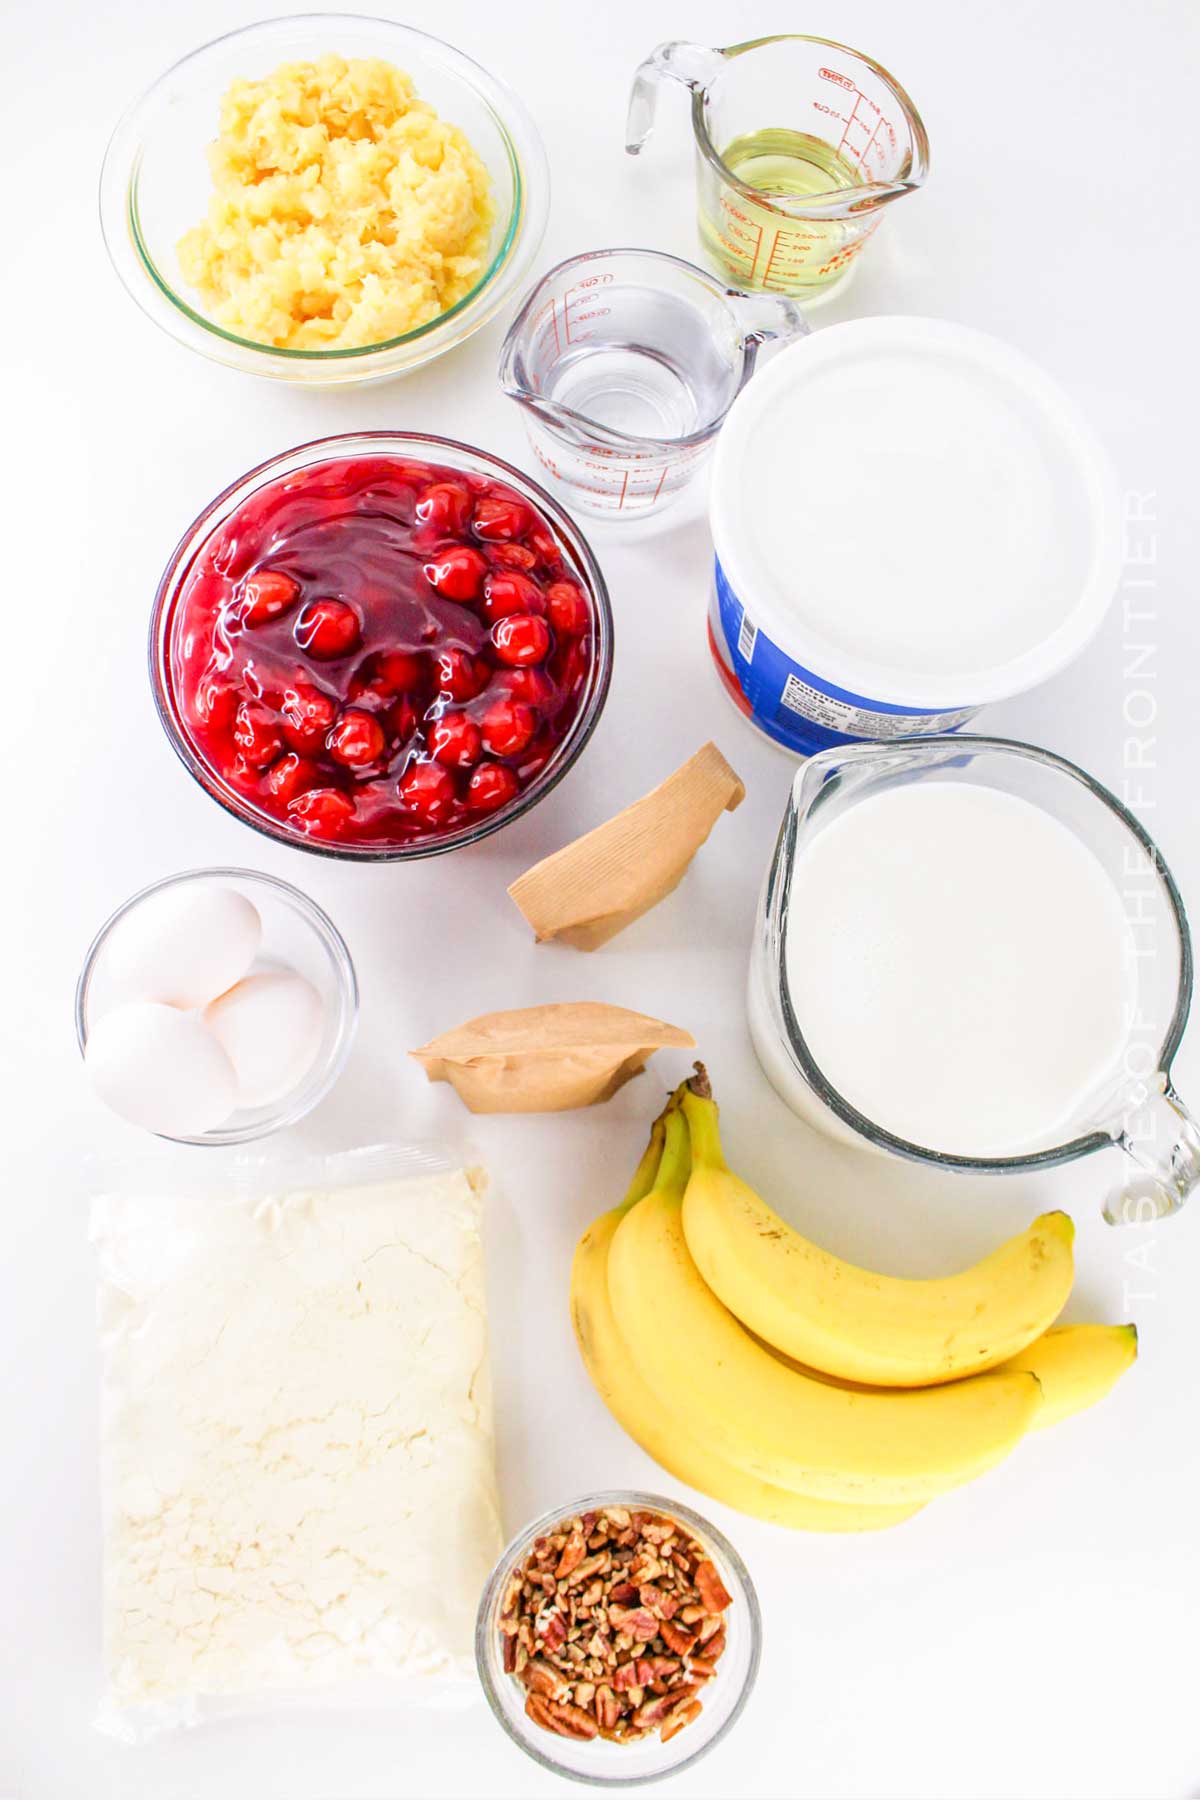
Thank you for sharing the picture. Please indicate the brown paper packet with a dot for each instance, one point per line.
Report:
(547, 1058)
(585, 894)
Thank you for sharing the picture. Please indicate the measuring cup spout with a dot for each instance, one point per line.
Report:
(692, 64)
(1163, 1138)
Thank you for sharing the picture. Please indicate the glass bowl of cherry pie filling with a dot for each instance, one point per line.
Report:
(381, 646)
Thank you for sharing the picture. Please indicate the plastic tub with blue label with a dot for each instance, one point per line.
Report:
(910, 520)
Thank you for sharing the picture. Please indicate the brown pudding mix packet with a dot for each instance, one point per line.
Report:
(547, 1058)
(588, 892)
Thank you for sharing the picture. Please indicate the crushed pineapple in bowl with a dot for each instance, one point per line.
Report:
(372, 198)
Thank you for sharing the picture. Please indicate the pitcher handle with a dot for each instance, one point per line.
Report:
(765, 319)
(692, 64)
(1163, 1139)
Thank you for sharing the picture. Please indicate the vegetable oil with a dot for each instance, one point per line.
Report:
(767, 245)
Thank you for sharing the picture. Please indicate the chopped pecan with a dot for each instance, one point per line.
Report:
(551, 1628)
(573, 1553)
(572, 1721)
(676, 1720)
(594, 1565)
(607, 1708)
(713, 1596)
(601, 1622)
(540, 1678)
(675, 1638)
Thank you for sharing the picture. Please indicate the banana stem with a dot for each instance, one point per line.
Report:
(676, 1164)
(700, 1111)
(646, 1174)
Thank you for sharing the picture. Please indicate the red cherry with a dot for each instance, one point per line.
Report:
(356, 739)
(512, 556)
(507, 591)
(462, 675)
(446, 507)
(455, 740)
(521, 639)
(374, 695)
(215, 704)
(500, 516)
(544, 545)
(399, 669)
(307, 715)
(457, 572)
(533, 686)
(256, 734)
(428, 790)
(402, 720)
(508, 727)
(492, 785)
(291, 775)
(327, 629)
(266, 595)
(567, 608)
(321, 811)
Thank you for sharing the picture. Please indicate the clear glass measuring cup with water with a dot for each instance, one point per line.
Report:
(625, 363)
(923, 1047)
(800, 146)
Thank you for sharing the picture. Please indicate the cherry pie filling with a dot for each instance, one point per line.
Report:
(377, 651)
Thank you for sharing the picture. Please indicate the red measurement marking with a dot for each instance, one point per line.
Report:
(850, 120)
(658, 490)
(841, 80)
(551, 308)
(757, 250)
(624, 490)
(866, 147)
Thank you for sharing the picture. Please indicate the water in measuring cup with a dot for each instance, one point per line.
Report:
(961, 968)
(641, 362)
(758, 245)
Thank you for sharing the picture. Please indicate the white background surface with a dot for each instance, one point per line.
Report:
(1031, 1636)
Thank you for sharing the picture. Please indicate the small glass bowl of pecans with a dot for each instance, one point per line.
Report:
(618, 1638)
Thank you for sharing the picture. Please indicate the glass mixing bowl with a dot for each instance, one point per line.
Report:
(155, 185)
(296, 935)
(445, 452)
(595, 1761)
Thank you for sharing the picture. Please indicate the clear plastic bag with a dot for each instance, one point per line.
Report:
(297, 1459)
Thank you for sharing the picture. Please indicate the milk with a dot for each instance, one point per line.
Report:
(961, 968)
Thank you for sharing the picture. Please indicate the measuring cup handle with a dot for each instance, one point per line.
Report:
(691, 64)
(1163, 1139)
(765, 318)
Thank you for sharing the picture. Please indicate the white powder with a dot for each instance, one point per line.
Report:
(297, 1439)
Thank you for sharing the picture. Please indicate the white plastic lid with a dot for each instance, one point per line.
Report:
(916, 512)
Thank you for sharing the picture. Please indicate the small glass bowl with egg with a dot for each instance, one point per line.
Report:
(215, 1007)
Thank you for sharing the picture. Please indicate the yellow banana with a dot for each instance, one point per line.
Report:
(651, 1425)
(1076, 1366)
(849, 1322)
(791, 1431)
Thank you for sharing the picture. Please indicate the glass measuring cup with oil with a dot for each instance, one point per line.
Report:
(800, 145)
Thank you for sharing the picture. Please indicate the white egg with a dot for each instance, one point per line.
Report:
(161, 1068)
(182, 946)
(270, 1026)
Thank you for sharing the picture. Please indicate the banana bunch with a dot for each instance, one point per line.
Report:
(776, 1378)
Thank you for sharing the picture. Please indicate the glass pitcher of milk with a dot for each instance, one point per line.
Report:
(970, 954)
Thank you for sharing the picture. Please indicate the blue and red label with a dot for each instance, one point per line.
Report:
(797, 707)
